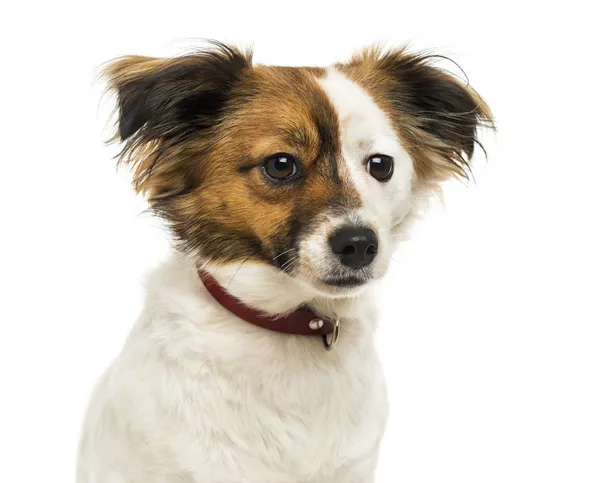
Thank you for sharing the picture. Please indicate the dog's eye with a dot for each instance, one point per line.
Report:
(280, 166)
(380, 166)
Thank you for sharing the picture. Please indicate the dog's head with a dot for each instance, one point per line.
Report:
(308, 171)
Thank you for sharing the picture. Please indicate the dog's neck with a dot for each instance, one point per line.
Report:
(264, 288)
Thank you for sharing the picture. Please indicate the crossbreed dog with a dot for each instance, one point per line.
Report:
(285, 190)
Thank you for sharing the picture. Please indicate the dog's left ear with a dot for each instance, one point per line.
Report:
(437, 115)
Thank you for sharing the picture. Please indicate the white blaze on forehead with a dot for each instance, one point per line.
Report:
(365, 130)
(361, 119)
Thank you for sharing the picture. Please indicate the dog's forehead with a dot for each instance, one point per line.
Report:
(317, 111)
(314, 105)
(362, 121)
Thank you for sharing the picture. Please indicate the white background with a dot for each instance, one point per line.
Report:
(491, 329)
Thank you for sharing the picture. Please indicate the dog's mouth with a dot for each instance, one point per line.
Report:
(332, 280)
(346, 282)
(331, 283)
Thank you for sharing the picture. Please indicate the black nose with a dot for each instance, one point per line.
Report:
(355, 246)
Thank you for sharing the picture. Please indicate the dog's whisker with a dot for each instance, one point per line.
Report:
(289, 262)
(238, 268)
(283, 253)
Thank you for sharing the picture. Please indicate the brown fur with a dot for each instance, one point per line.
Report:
(197, 129)
(210, 186)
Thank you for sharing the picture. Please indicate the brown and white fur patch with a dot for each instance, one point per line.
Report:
(198, 395)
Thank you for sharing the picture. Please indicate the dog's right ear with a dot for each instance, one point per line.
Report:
(163, 102)
(166, 96)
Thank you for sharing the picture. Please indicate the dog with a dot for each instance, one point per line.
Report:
(286, 191)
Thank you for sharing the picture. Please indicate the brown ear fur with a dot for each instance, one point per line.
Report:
(162, 103)
(435, 114)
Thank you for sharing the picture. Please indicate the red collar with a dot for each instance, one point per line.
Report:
(300, 322)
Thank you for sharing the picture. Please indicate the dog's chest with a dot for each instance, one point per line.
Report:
(305, 423)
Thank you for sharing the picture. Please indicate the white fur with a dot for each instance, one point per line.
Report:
(199, 396)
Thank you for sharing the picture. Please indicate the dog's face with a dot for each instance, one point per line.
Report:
(309, 171)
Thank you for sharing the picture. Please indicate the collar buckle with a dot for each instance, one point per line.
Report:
(330, 341)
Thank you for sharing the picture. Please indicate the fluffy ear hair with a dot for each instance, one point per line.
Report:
(164, 102)
(438, 115)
